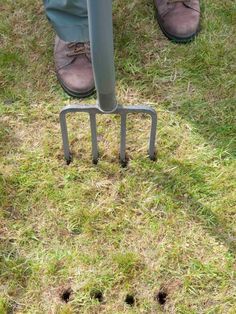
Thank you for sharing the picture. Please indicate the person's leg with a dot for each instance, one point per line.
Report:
(71, 52)
(69, 19)
(179, 19)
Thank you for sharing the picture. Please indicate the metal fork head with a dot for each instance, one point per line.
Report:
(120, 110)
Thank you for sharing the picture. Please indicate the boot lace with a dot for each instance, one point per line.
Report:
(77, 49)
(175, 1)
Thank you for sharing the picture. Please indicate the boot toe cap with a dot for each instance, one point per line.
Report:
(76, 82)
(180, 23)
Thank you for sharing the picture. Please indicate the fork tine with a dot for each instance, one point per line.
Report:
(65, 139)
(123, 160)
(93, 126)
(152, 141)
(122, 111)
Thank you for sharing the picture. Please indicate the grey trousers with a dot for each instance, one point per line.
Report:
(69, 18)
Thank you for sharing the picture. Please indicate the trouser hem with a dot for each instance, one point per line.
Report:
(75, 33)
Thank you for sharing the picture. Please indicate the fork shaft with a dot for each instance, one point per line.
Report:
(102, 52)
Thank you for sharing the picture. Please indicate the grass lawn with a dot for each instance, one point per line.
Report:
(156, 237)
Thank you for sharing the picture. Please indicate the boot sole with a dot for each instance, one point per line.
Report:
(76, 94)
(179, 40)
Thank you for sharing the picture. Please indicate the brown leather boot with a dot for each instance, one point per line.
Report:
(179, 19)
(74, 68)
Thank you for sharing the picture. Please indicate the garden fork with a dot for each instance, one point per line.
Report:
(102, 54)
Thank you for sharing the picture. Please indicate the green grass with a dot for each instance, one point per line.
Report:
(167, 226)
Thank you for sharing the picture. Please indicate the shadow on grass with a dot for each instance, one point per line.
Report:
(215, 122)
(217, 225)
(150, 66)
(193, 80)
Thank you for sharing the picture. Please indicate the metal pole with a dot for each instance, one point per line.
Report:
(102, 52)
